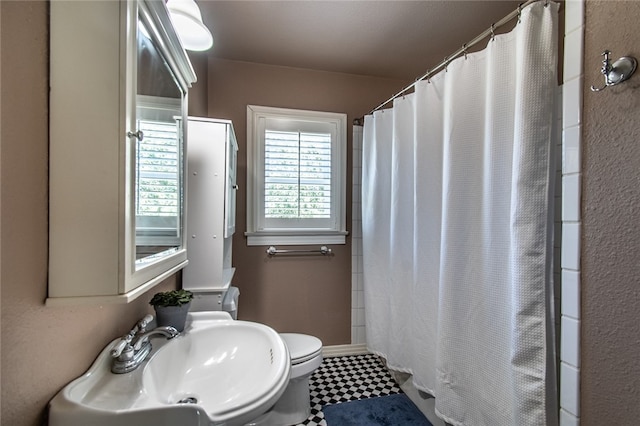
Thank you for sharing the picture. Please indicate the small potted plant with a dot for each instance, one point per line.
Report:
(172, 307)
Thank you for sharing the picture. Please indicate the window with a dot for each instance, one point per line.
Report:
(295, 176)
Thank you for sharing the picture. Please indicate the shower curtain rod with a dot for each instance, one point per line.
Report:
(463, 50)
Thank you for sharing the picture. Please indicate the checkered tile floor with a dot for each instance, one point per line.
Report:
(347, 378)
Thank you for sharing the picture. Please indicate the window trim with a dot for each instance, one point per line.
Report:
(256, 235)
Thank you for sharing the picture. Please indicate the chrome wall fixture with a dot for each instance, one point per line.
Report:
(617, 72)
(324, 250)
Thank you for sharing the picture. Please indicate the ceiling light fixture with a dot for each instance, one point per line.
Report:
(187, 20)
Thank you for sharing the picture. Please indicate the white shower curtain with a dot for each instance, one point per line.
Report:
(457, 236)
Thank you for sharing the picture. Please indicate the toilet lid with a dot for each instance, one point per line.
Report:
(302, 347)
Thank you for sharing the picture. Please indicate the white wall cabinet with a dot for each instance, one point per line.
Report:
(211, 198)
(119, 79)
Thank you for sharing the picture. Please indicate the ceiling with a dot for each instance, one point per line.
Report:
(395, 39)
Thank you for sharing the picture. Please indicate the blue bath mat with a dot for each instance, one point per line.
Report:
(391, 410)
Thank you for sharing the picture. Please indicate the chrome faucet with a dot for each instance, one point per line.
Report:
(143, 339)
(134, 347)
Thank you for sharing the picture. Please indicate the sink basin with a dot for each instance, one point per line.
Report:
(217, 372)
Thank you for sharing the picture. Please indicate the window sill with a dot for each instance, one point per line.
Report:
(273, 238)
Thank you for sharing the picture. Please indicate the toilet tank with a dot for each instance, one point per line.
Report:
(207, 300)
(219, 300)
(230, 302)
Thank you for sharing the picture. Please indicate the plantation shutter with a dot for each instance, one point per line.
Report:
(297, 175)
(158, 170)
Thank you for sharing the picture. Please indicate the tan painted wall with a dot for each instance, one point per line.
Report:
(309, 294)
(611, 223)
(198, 94)
(43, 348)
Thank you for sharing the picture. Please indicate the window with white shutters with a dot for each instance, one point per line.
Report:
(296, 177)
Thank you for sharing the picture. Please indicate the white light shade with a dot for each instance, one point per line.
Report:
(187, 21)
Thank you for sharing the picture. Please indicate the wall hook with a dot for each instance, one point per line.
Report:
(617, 72)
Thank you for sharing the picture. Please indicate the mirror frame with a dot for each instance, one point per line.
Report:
(156, 20)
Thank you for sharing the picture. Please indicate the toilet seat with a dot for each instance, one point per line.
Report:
(302, 347)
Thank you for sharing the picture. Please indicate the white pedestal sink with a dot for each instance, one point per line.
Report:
(217, 372)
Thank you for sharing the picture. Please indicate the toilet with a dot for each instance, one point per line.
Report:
(294, 406)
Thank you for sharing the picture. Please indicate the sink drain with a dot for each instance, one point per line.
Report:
(188, 400)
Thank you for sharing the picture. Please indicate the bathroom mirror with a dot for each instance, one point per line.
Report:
(159, 162)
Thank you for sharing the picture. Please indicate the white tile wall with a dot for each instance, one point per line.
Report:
(571, 113)
(357, 289)
(567, 419)
(571, 293)
(571, 150)
(570, 341)
(570, 244)
(573, 16)
(571, 194)
(570, 389)
(572, 63)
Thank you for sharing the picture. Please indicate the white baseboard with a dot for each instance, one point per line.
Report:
(343, 350)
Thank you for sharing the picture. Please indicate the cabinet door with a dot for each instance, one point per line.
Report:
(206, 183)
(232, 183)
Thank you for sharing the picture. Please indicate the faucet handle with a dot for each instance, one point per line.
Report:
(144, 322)
(122, 344)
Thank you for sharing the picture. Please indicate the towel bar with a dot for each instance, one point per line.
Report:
(324, 250)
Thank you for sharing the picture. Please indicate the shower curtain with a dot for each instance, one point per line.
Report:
(457, 234)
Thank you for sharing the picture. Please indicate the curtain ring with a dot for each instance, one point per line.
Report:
(446, 64)
(519, 12)
(493, 34)
(464, 50)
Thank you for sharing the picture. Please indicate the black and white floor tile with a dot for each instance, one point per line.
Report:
(347, 378)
